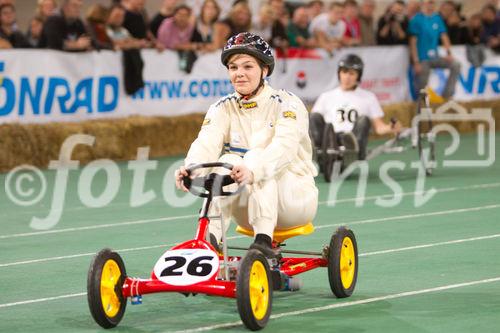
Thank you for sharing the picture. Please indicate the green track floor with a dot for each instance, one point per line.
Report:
(406, 253)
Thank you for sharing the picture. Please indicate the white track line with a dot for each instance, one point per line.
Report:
(89, 254)
(360, 255)
(392, 218)
(39, 300)
(411, 216)
(385, 196)
(347, 304)
(100, 226)
(425, 246)
(173, 218)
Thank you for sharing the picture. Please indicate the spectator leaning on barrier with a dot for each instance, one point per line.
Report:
(166, 10)
(175, 33)
(367, 22)
(279, 38)
(12, 3)
(298, 29)
(119, 36)
(46, 8)
(35, 31)
(96, 26)
(136, 22)
(457, 29)
(315, 8)
(445, 10)
(203, 33)
(426, 30)
(262, 24)
(474, 29)
(7, 19)
(280, 12)
(474, 47)
(393, 25)
(238, 20)
(352, 35)
(412, 8)
(66, 31)
(491, 28)
(329, 29)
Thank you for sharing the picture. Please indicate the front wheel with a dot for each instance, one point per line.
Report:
(254, 290)
(104, 288)
(343, 262)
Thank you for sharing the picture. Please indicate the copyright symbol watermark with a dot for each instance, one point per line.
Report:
(25, 185)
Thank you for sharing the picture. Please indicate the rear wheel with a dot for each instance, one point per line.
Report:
(425, 135)
(329, 149)
(104, 288)
(343, 262)
(254, 290)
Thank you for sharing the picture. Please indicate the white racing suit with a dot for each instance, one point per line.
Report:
(269, 134)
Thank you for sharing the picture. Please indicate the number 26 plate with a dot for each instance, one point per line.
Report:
(184, 267)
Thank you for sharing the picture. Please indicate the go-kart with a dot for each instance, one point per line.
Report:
(196, 267)
(420, 136)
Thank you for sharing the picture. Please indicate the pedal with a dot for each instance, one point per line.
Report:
(283, 282)
(293, 283)
(136, 300)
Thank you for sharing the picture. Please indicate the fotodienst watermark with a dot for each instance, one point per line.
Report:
(26, 185)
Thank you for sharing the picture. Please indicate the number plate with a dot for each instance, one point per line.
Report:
(186, 266)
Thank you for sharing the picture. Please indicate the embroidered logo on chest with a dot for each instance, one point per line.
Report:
(249, 105)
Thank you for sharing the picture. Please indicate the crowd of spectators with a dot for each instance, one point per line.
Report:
(124, 24)
(60, 24)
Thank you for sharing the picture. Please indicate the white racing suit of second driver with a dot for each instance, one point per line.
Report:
(269, 134)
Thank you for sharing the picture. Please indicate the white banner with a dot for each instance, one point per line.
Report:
(307, 73)
(474, 83)
(46, 86)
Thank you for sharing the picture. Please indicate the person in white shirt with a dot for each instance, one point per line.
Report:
(329, 28)
(264, 134)
(351, 110)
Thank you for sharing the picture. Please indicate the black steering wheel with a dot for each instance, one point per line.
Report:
(212, 184)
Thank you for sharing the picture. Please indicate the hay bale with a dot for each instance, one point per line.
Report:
(119, 139)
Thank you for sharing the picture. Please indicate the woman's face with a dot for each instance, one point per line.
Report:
(116, 17)
(245, 73)
(209, 12)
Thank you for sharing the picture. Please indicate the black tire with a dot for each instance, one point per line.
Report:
(425, 136)
(328, 158)
(251, 265)
(94, 278)
(343, 240)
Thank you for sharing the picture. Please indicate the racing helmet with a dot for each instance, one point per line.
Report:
(351, 61)
(248, 43)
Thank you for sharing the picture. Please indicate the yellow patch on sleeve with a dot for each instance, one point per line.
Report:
(290, 114)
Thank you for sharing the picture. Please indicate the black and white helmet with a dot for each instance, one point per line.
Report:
(248, 43)
(352, 61)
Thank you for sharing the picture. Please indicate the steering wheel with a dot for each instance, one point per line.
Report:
(212, 184)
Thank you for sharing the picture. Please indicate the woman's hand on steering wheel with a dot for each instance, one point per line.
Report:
(242, 174)
(179, 174)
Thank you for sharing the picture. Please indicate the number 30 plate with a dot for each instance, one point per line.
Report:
(186, 267)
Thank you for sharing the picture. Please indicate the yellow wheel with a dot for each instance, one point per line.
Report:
(343, 262)
(254, 290)
(104, 288)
